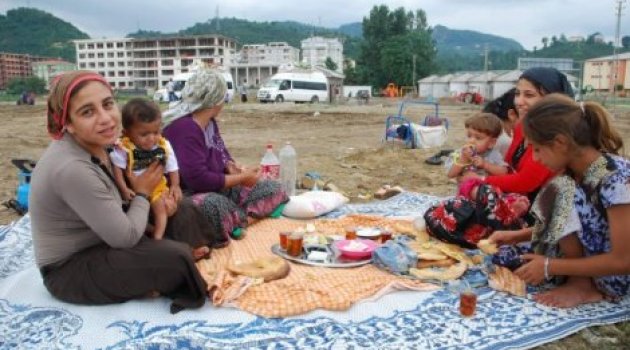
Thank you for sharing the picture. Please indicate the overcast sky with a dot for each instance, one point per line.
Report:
(526, 21)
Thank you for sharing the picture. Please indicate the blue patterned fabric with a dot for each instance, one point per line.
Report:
(605, 184)
(32, 319)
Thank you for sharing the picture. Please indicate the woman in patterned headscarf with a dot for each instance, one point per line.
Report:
(230, 195)
(88, 250)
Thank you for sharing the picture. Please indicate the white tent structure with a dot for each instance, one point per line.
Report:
(425, 86)
(481, 83)
(441, 86)
(459, 83)
(500, 84)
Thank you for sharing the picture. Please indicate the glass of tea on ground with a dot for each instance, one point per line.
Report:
(467, 302)
(284, 239)
(351, 232)
(294, 244)
(386, 235)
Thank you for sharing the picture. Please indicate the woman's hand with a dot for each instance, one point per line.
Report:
(532, 272)
(176, 193)
(504, 237)
(127, 193)
(148, 180)
(250, 176)
(232, 168)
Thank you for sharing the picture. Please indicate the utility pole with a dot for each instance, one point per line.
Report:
(614, 74)
(618, 9)
(216, 19)
(485, 57)
(413, 81)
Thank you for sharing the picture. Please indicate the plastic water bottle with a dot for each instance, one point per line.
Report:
(288, 168)
(270, 165)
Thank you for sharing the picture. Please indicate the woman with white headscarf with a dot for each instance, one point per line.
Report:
(230, 195)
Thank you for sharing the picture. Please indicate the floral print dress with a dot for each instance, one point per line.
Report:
(605, 184)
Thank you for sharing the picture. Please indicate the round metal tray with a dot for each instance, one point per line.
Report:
(334, 258)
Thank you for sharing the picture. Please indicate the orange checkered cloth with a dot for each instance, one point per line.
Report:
(306, 288)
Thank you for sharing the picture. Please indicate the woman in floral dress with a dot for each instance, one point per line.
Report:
(577, 139)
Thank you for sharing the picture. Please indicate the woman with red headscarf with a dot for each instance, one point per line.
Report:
(88, 249)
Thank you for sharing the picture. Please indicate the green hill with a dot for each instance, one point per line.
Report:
(354, 30)
(35, 32)
(249, 32)
(469, 41)
(579, 51)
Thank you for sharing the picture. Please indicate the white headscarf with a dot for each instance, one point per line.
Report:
(205, 88)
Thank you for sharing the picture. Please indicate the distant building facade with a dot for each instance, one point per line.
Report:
(149, 63)
(14, 65)
(564, 65)
(48, 69)
(316, 49)
(273, 52)
(255, 63)
(599, 73)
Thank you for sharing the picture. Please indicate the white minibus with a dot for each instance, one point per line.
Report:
(295, 87)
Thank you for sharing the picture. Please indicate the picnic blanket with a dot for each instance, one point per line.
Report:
(31, 318)
(306, 288)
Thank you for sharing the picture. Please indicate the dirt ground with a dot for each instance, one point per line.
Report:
(341, 142)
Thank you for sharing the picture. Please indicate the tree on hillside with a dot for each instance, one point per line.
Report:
(31, 84)
(625, 42)
(330, 64)
(391, 40)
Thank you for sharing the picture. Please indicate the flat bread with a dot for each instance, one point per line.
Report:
(422, 236)
(455, 252)
(269, 268)
(506, 281)
(426, 251)
(487, 246)
(422, 264)
(445, 274)
(404, 227)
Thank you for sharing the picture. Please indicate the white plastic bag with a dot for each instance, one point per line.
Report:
(429, 136)
(312, 204)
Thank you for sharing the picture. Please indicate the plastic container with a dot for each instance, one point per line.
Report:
(23, 189)
(288, 168)
(356, 248)
(270, 165)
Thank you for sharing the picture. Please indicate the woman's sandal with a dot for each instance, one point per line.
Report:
(436, 159)
(387, 192)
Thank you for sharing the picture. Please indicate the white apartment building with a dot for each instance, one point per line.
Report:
(273, 52)
(149, 63)
(255, 63)
(316, 49)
